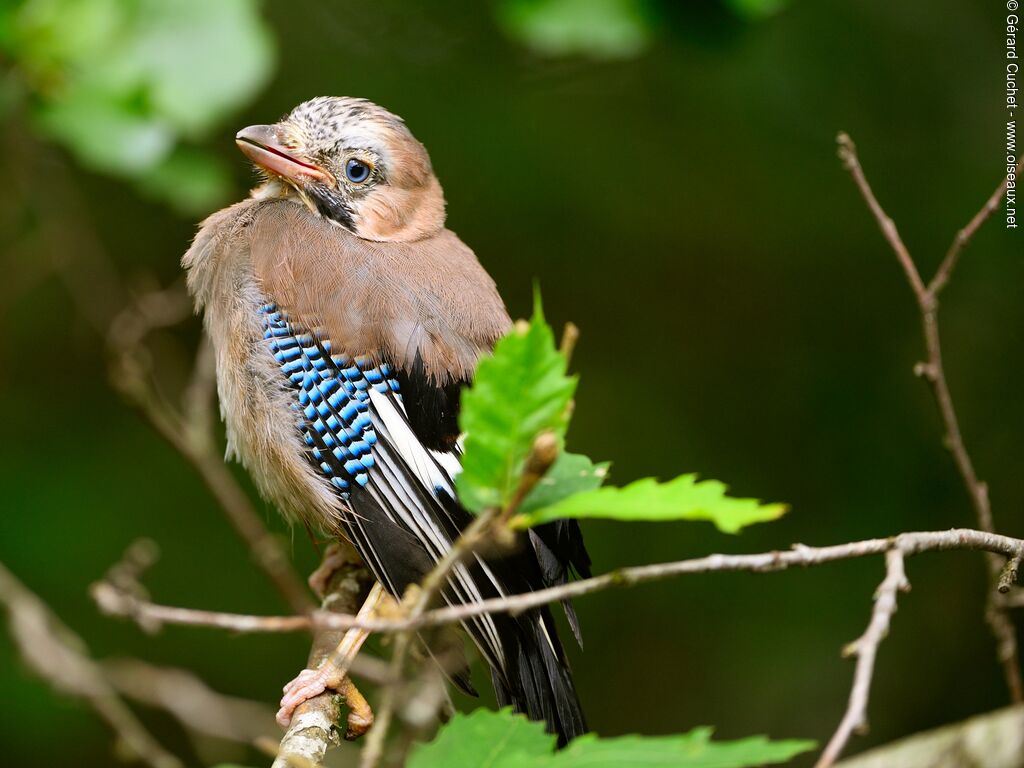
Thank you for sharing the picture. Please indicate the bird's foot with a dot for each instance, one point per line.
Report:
(310, 683)
(360, 716)
(307, 684)
(332, 674)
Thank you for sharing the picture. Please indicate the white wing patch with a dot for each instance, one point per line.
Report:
(434, 472)
(424, 463)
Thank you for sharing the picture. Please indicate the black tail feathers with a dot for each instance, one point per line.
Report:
(538, 681)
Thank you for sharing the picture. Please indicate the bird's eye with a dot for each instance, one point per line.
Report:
(357, 171)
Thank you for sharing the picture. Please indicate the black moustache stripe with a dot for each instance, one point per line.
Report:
(332, 206)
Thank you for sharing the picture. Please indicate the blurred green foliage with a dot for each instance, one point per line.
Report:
(486, 739)
(604, 29)
(599, 28)
(129, 86)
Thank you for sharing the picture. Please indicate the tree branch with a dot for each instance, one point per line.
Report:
(933, 372)
(865, 648)
(66, 232)
(963, 237)
(991, 740)
(116, 602)
(314, 724)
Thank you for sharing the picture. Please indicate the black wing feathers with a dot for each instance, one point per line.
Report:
(401, 526)
(432, 408)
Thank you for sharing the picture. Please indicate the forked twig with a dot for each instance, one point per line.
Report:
(933, 372)
(865, 648)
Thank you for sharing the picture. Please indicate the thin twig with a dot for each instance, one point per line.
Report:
(570, 335)
(933, 372)
(865, 648)
(848, 155)
(945, 270)
(1008, 573)
(198, 398)
(490, 526)
(130, 606)
(114, 602)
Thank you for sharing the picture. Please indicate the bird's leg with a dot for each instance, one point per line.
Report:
(331, 674)
(360, 716)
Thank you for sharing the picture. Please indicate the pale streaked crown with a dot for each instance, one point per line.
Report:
(352, 162)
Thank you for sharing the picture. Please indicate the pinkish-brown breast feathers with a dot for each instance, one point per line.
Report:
(386, 300)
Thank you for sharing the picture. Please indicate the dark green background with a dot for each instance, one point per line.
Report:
(741, 317)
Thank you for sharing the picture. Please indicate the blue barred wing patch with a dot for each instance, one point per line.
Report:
(332, 398)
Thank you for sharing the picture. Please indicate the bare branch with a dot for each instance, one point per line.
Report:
(933, 372)
(130, 606)
(198, 398)
(570, 335)
(415, 602)
(848, 155)
(989, 740)
(963, 237)
(150, 616)
(117, 601)
(865, 648)
(264, 547)
(1008, 573)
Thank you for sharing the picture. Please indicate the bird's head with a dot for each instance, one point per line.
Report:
(352, 162)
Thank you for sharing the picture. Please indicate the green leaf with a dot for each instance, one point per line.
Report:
(602, 29)
(689, 750)
(518, 392)
(681, 499)
(571, 473)
(486, 739)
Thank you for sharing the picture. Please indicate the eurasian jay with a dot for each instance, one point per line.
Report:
(346, 319)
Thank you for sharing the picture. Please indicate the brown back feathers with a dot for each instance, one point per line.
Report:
(388, 300)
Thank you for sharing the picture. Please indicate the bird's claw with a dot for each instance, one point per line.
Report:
(307, 684)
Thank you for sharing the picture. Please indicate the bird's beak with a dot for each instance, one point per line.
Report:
(260, 143)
